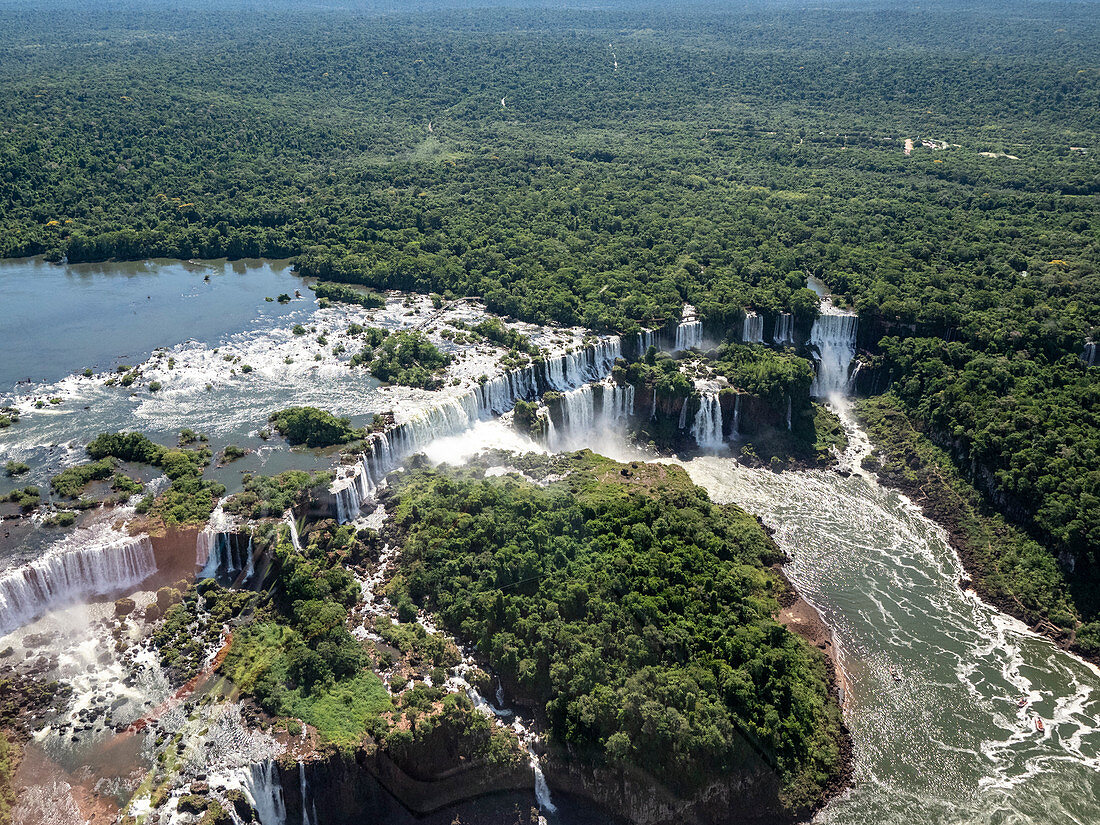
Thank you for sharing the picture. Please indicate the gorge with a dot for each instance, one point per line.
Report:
(510, 413)
(589, 406)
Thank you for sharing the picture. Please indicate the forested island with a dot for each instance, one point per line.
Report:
(724, 236)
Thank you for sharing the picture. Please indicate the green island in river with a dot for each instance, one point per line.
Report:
(508, 413)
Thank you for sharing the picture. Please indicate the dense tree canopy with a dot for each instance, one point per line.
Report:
(637, 613)
(603, 166)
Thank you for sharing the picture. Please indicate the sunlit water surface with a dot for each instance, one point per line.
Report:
(945, 744)
(948, 742)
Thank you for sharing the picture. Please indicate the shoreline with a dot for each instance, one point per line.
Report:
(927, 494)
(803, 619)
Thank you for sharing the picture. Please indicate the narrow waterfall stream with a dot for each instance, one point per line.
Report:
(783, 332)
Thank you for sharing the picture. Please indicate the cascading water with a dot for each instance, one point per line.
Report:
(1088, 355)
(561, 373)
(266, 793)
(688, 334)
(834, 337)
(542, 790)
(707, 427)
(783, 333)
(220, 555)
(646, 338)
(592, 408)
(950, 743)
(293, 527)
(736, 433)
(753, 330)
(308, 805)
(93, 561)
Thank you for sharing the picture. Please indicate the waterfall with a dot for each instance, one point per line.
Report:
(92, 561)
(221, 556)
(295, 542)
(565, 372)
(578, 410)
(266, 793)
(1088, 355)
(753, 330)
(542, 790)
(451, 416)
(690, 331)
(355, 489)
(312, 806)
(589, 409)
(736, 417)
(783, 333)
(646, 338)
(682, 423)
(834, 337)
(707, 427)
(789, 405)
(688, 334)
(249, 564)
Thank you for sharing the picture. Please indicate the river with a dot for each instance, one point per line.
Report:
(947, 743)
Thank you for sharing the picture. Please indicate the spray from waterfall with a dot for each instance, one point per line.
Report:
(561, 373)
(834, 338)
(590, 409)
(92, 561)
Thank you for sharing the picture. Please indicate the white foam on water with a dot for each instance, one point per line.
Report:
(88, 562)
